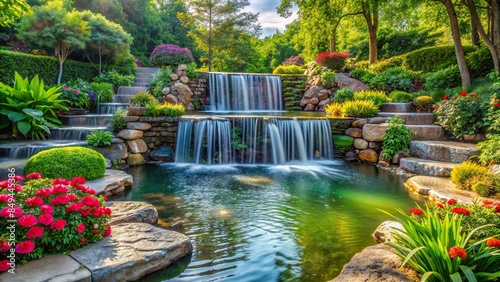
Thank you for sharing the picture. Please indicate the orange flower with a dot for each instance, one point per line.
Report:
(455, 252)
(493, 242)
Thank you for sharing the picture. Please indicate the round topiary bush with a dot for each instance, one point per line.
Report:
(67, 163)
(400, 96)
(170, 55)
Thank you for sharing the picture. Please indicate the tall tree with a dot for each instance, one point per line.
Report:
(10, 10)
(214, 21)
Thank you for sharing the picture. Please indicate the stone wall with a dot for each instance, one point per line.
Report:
(293, 90)
(199, 87)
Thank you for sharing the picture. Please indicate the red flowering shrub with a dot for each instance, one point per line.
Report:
(53, 216)
(416, 211)
(170, 55)
(332, 60)
(461, 211)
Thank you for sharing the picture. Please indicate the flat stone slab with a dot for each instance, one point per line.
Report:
(440, 189)
(374, 132)
(386, 230)
(113, 181)
(132, 251)
(445, 151)
(395, 107)
(55, 268)
(132, 212)
(411, 118)
(427, 167)
(375, 264)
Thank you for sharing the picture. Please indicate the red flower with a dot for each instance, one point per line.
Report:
(496, 105)
(7, 212)
(4, 184)
(454, 98)
(34, 175)
(472, 95)
(107, 232)
(80, 228)
(74, 207)
(58, 224)
(461, 211)
(27, 220)
(77, 181)
(487, 202)
(34, 232)
(446, 97)
(85, 212)
(463, 93)
(46, 208)
(455, 252)
(18, 178)
(18, 188)
(107, 211)
(451, 202)
(44, 192)
(60, 200)
(105, 199)
(63, 181)
(72, 197)
(96, 231)
(82, 240)
(90, 202)
(59, 188)
(416, 211)
(493, 242)
(436, 108)
(5, 247)
(440, 205)
(45, 219)
(34, 201)
(98, 212)
(25, 247)
(4, 265)
(5, 198)
(90, 191)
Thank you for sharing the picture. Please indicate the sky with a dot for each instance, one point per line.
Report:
(268, 16)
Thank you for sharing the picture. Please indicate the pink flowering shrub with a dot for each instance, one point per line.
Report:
(332, 60)
(293, 60)
(48, 216)
(170, 55)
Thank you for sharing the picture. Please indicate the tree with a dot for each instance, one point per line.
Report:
(55, 29)
(213, 21)
(10, 10)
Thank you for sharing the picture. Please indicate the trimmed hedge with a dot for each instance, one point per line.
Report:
(46, 67)
(68, 162)
(431, 59)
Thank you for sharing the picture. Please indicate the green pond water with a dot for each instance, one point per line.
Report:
(268, 223)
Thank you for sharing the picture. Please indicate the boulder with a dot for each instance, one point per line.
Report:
(174, 77)
(351, 156)
(386, 230)
(130, 134)
(117, 151)
(184, 79)
(398, 156)
(354, 132)
(135, 159)
(348, 82)
(139, 125)
(109, 164)
(324, 102)
(128, 212)
(374, 132)
(164, 153)
(309, 107)
(304, 101)
(136, 111)
(360, 143)
(474, 138)
(376, 263)
(171, 99)
(182, 67)
(323, 94)
(116, 140)
(375, 145)
(132, 251)
(312, 92)
(137, 146)
(314, 101)
(111, 181)
(165, 91)
(130, 118)
(379, 120)
(368, 155)
(359, 122)
(185, 93)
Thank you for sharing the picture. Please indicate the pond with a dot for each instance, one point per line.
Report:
(268, 223)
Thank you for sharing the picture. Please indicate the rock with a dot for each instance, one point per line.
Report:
(386, 230)
(185, 79)
(398, 156)
(171, 99)
(427, 167)
(312, 92)
(136, 111)
(359, 123)
(130, 118)
(182, 67)
(374, 132)
(323, 103)
(309, 107)
(368, 155)
(375, 145)
(135, 160)
(495, 169)
(351, 156)
(165, 91)
(381, 157)
(446, 151)
(378, 120)
(304, 101)
(109, 164)
(62, 268)
(174, 77)
(383, 163)
(139, 126)
(113, 152)
(164, 153)
(190, 107)
(354, 132)
(132, 251)
(185, 93)
(348, 82)
(439, 189)
(112, 180)
(137, 146)
(130, 134)
(314, 101)
(128, 212)
(179, 73)
(360, 143)
(474, 138)
(116, 140)
(376, 263)
(323, 94)
(317, 81)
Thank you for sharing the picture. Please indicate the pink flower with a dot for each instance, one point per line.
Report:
(11, 212)
(25, 247)
(72, 197)
(18, 178)
(4, 247)
(85, 212)
(90, 202)
(78, 181)
(45, 219)
(44, 192)
(74, 207)
(107, 232)
(63, 181)
(59, 188)
(4, 265)
(47, 208)
(76, 92)
(58, 224)
(34, 201)
(60, 200)
(5, 198)
(34, 232)
(27, 220)
(34, 175)
(80, 228)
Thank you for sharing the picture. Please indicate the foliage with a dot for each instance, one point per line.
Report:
(424, 100)
(114, 78)
(479, 62)
(99, 138)
(362, 74)
(493, 114)
(394, 78)
(166, 109)
(328, 78)
(334, 109)
(355, 108)
(117, 120)
(293, 60)
(430, 59)
(143, 99)
(397, 137)
(464, 114)
(332, 60)
(466, 174)
(490, 150)
(401, 96)
(68, 162)
(75, 98)
(165, 55)
(30, 109)
(53, 217)
(437, 247)
(160, 81)
(343, 94)
(291, 69)
(444, 78)
(103, 92)
(12, 10)
(191, 70)
(378, 97)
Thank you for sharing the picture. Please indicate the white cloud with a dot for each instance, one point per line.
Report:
(268, 16)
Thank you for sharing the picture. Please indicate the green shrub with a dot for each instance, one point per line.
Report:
(291, 69)
(424, 100)
(115, 78)
(400, 96)
(493, 115)
(99, 138)
(479, 62)
(362, 74)
(333, 109)
(394, 78)
(444, 78)
(397, 137)
(74, 97)
(490, 150)
(343, 94)
(67, 163)
(103, 92)
(359, 108)
(117, 120)
(328, 78)
(166, 109)
(430, 59)
(481, 188)
(378, 97)
(191, 70)
(160, 81)
(380, 66)
(466, 174)
(143, 99)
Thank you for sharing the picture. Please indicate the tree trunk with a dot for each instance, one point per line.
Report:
(474, 34)
(373, 45)
(371, 17)
(333, 43)
(209, 40)
(59, 76)
(495, 24)
(480, 29)
(459, 50)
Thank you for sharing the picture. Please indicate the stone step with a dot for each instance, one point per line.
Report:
(147, 76)
(143, 79)
(411, 118)
(110, 108)
(147, 70)
(445, 151)
(85, 120)
(395, 107)
(123, 98)
(427, 167)
(127, 90)
(440, 189)
(374, 132)
(141, 84)
(72, 133)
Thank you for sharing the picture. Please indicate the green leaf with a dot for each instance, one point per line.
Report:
(33, 113)
(468, 273)
(24, 127)
(15, 116)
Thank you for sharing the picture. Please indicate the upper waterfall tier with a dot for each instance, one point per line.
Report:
(244, 92)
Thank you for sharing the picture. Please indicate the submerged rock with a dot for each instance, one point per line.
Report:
(132, 212)
(164, 154)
